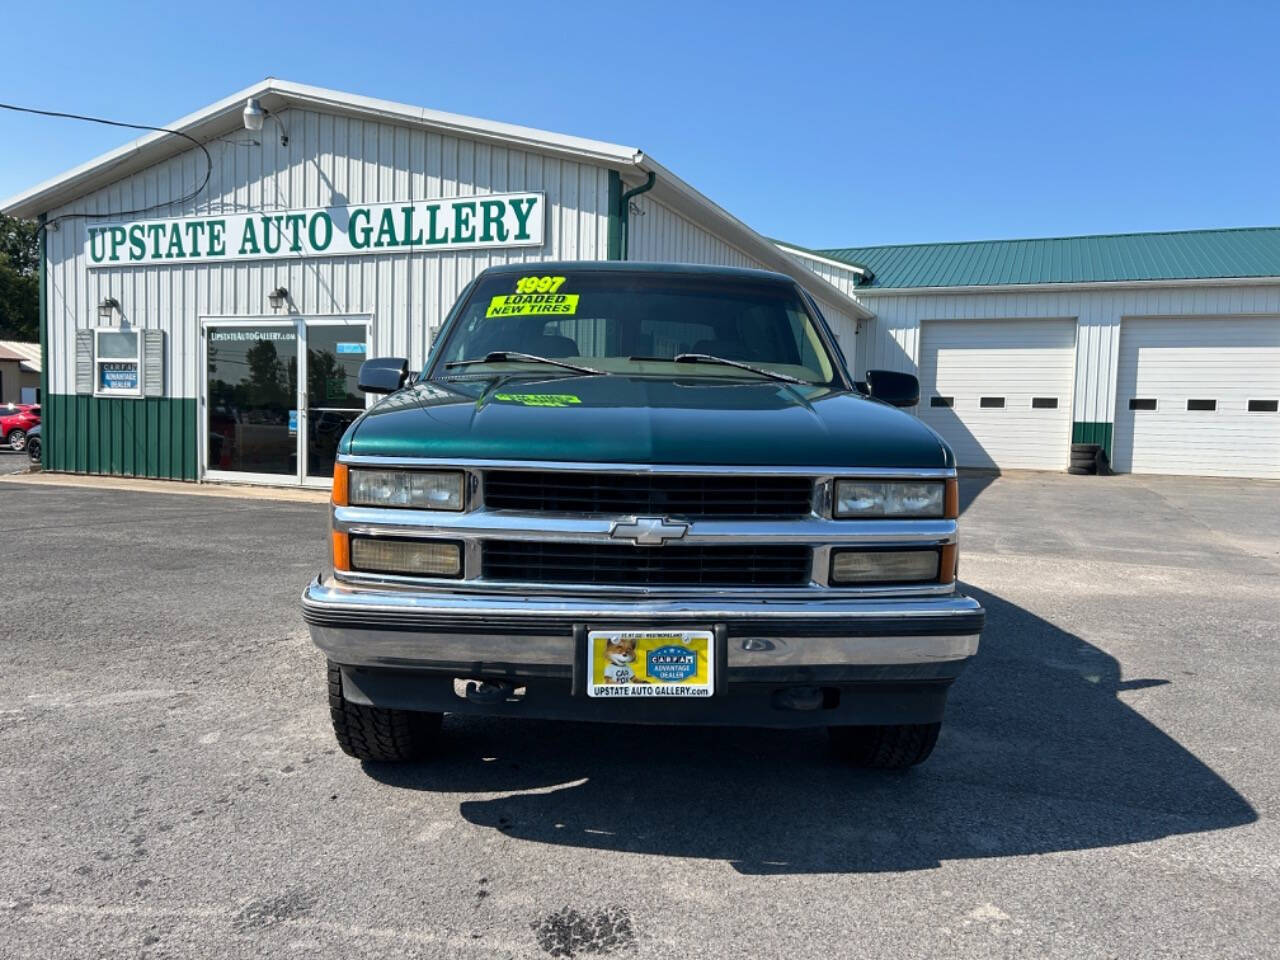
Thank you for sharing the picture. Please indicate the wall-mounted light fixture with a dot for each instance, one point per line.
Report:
(107, 308)
(255, 116)
(277, 297)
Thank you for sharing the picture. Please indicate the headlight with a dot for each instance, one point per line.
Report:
(860, 498)
(421, 558)
(419, 489)
(884, 566)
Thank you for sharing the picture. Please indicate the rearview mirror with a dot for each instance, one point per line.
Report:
(899, 389)
(383, 375)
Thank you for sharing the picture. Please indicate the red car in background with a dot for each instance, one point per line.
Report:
(15, 420)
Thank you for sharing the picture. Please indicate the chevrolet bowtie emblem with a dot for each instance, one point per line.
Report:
(649, 531)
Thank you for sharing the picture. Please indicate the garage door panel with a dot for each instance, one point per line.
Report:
(1171, 361)
(1014, 360)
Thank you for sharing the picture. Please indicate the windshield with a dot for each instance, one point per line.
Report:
(618, 322)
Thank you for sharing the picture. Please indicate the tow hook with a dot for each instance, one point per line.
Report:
(798, 698)
(488, 692)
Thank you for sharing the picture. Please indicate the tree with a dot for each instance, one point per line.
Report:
(19, 280)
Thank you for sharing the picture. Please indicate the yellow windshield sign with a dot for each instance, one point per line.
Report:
(539, 284)
(533, 304)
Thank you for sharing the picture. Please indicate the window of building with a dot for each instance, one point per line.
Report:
(942, 401)
(1044, 403)
(1142, 403)
(1202, 405)
(117, 362)
(991, 402)
(1264, 406)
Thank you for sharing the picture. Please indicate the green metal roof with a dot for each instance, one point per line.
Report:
(1186, 255)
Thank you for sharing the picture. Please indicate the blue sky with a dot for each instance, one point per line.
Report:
(824, 124)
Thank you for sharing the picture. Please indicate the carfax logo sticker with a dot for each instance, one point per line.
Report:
(672, 664)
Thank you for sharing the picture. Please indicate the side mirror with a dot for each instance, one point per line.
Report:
(899, 389)
(383, 375)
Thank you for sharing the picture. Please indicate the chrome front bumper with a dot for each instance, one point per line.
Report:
(481, 635)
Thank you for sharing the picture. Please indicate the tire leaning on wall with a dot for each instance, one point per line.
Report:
(1084, 459)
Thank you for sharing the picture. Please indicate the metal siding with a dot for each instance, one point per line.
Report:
(658, 233)
(329, 160)
(891, 341)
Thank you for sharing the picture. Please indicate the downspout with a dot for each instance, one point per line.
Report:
(43, 274)
(624, 213)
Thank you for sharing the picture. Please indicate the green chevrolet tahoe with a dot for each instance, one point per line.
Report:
(641, 493)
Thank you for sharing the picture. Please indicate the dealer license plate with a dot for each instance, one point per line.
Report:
(650, 663)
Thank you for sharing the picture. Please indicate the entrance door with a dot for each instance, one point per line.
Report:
(335, 350)
(251, 390)
(278, 396)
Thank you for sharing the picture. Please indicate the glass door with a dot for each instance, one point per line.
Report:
(335, 350)
(251, 406)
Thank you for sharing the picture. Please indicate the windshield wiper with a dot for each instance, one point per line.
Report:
(708, 358)
(507, 356)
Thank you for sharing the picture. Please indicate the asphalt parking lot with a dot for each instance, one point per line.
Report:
(13, 461)
(1106, 784)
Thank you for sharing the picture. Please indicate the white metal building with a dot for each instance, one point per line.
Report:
(344, 228)
(1162, 347)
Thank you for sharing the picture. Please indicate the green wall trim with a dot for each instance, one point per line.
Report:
(43, 324)
(143, 437)
(1092, 431)
(615, 215)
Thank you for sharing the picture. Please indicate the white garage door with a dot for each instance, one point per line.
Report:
(1199, 397)
(999, 391)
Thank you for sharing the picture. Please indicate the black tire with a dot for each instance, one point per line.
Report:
(1084, 449)
(379, 734)
(890, 747)
(18, 439)
(1082, 471)
(33, 449)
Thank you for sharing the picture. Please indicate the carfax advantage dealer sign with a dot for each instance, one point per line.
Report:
(457, 223)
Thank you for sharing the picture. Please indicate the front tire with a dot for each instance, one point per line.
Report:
(889, 747)
(377, 733)
(33, 449)
(18, 439)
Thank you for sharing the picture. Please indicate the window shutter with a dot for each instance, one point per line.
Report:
(84, 362)
(153, 363)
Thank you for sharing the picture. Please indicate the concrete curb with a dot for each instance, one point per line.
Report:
(233, 491)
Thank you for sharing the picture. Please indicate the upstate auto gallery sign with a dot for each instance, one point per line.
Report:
(457, 223)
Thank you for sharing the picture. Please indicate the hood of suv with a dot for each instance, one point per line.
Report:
(620, 419)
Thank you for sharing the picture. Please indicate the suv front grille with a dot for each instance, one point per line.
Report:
(568, 491)
(622, 565)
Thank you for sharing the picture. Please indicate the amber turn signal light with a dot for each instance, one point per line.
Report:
(341, 550)
(340, 495)
(951, 500)
(950, 557)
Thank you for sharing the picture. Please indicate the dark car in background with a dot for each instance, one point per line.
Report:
(34, 442)
(16, 421)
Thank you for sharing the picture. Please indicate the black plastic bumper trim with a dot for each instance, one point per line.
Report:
(965, 624)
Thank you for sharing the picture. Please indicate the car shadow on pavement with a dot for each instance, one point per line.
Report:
(1039, 754)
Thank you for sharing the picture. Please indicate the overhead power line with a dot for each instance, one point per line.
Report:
(130, 126)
